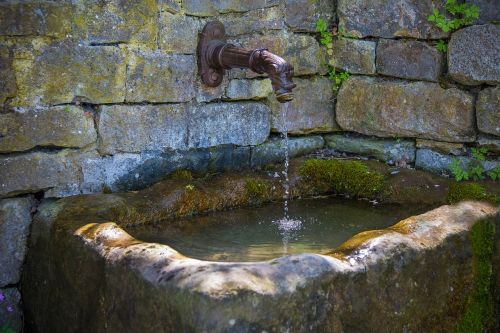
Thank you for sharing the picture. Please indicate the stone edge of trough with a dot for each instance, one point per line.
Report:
(162, 265)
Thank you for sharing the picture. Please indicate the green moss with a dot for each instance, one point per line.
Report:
(470, 191)
(182, 174)
(256, 190)
(346, 177)
(478, 316)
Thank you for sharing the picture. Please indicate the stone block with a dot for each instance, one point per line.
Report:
(386, 150)
(408, 59)
(171, 6)
(301, 15)
(136, 128)
(61, 126)
(248, 89)
(259, 20)
(239, 124)
(273, 151)
(117, 21)
(354, 56)
(159, 77)
(488, 111)
(8, 87)
(69, 71)
(57, 174)
(305, 54)
(35, 18)
(394, 108)
(311, 111)
(436, 162)
(211, 8)
(178, 33)
(448, 148)
(474, 55)
(15, 220)
(389, 18)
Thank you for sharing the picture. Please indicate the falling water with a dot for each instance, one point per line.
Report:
(286, 226)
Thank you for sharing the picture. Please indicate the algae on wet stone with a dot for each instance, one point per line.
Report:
(352, 178)
(478, 316)
(256, 190)
(470, 191)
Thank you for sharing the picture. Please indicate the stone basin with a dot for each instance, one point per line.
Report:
(85, 273)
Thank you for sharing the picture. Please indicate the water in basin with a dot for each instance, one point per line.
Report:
(255, 234)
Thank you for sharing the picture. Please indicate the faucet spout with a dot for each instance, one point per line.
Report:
(216, 55)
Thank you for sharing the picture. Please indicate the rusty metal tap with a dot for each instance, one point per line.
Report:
(215, 55)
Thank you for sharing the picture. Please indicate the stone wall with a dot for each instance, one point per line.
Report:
(104, 96)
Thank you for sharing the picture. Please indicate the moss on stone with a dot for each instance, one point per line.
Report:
(478, 315)
(345, 177)
(256, 190)
(470, 191)
(182, 174)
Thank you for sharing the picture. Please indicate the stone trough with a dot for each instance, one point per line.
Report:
(85, 273)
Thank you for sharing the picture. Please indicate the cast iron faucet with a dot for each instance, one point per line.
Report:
(215, 55)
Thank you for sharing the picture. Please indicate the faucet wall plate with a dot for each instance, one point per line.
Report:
(213, 31)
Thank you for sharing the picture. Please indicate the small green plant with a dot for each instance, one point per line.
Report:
(474, 169)
(457, 16)
(441, 46)
(326, 39)
(461, 14)
(189, 187)
(182, 174)
(256, 190)
(6, 329)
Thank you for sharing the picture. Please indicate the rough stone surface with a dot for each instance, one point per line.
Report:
(258, 20)
(375, 106)
(391, 151)
(117, 21)
(35, 18)
(159, 77)
(210, 8)
(8, 86)
(61, 126)
(490, 143)
(474, 55)
(305, 54)
(171, 6)
(273, 151)
(11, 315)
(442, 147)
(67, 71)
(301, 15)
(408, 60)
(440, 163)
(248, 89)
(57, 174)
(380, 270)
(15, 220)
(488, 111)
(354, 56)
(135, 128)
(228, 123)
(177, 31)
(488, 10)
(311, 111)
(389, 18)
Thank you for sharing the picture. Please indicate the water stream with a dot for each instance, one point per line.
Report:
(286, 225)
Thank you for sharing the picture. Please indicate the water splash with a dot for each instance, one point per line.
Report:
(286, 226)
